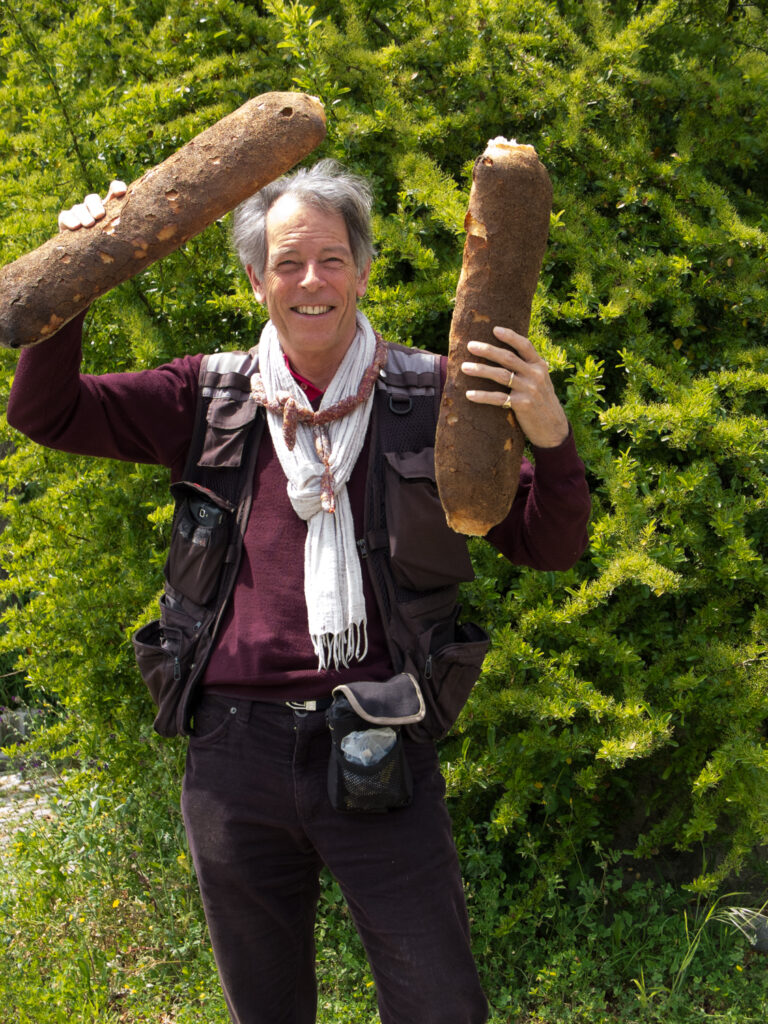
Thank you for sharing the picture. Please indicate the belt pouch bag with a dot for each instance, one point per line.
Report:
(199, 541)
(368, 771)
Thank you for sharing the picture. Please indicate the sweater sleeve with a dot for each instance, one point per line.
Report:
(547, 525)
(146, 416)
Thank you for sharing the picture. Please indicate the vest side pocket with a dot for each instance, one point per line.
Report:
(425, 552)
(447, 676)
(164, 650)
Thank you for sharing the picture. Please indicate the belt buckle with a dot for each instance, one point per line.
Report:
(301, 705)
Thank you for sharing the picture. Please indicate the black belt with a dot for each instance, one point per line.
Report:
(244, 705)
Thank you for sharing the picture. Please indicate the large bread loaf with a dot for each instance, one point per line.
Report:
(164, 208)
(479, 447)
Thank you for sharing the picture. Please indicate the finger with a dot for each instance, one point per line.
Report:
(508, 359)
(95, 208)
(497, 374)
(490, 397)
(76, 217)
(69, 221)
(86, 218)
(116, 190)
(516, 341)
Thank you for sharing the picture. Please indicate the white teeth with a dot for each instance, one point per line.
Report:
(313, 310)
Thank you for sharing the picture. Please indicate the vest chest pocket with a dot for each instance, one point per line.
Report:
(199, 541)
(227, 423)
(425, 552)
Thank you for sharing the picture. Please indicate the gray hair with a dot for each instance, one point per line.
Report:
(327, 186)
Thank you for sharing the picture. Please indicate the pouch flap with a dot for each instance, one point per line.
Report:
(188, 489)
(230, 414)
(413, 465)
(396, 701)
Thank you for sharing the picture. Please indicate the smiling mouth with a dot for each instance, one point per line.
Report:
(312, 310)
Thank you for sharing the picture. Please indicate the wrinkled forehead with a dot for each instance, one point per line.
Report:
(294, 222)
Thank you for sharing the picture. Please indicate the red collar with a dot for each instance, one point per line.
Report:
(309, 389)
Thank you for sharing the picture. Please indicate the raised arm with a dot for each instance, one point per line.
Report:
(547, 525)
(139, 417)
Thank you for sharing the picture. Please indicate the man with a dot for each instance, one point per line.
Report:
(256, 804)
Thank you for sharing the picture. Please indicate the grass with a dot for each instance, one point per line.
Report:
(100, 922)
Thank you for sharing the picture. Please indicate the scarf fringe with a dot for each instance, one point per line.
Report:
(337, 650)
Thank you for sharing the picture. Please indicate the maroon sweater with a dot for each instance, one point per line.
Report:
(263, 649)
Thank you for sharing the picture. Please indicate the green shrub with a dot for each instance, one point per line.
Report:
(623, 705)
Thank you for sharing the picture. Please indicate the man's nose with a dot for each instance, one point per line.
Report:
(312, 275)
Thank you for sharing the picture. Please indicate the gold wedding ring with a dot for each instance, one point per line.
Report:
(508, 400)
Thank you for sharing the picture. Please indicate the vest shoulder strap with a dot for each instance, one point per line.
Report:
(227, 424)
(408, 399)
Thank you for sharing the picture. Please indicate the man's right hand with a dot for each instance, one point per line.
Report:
(85, 214)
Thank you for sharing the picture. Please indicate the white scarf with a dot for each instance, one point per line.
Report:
(333, 585)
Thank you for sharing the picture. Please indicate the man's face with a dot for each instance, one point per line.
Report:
(310, 286)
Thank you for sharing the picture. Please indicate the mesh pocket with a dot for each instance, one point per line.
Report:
(383, 786)
(377, 787)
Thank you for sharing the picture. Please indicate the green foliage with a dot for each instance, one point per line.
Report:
(623, 705)
(105, 904)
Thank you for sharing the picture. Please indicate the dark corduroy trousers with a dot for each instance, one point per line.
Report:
(260, 827)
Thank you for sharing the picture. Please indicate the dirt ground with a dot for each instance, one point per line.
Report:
(20, 800)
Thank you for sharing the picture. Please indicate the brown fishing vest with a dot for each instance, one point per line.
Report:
(415, 560)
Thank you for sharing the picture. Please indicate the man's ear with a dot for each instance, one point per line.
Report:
(362, 281)
(258, 290)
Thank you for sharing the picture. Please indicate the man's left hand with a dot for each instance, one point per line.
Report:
(524, 383)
